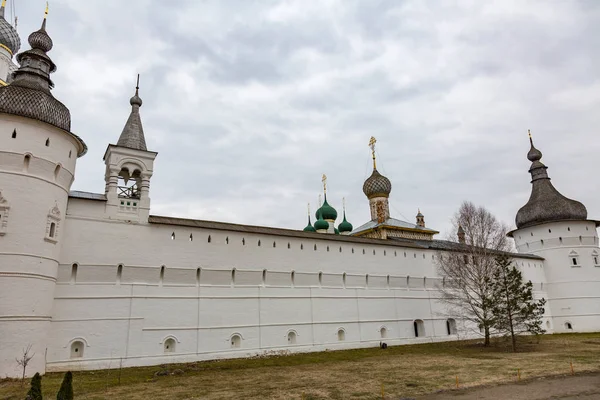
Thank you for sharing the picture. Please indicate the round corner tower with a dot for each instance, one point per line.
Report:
(557, 229)
(37, 167)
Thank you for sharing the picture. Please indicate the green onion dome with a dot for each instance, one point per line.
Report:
(345, 226)
(321, 224)
(326, 211)
(309, 227)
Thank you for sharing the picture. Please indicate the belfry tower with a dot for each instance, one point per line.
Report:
(129, 167)
(37, 166)
(556, 228)
(10, 43)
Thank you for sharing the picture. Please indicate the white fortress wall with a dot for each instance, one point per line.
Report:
(119, 301)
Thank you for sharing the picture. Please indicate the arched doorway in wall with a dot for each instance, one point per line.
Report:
(291, 337)
(451, 326)
(77, 348)
(341, 334)
(236, 341)
(419, 328)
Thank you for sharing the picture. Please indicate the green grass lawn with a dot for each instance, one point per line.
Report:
(350, 374)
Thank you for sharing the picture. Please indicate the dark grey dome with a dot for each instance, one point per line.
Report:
(546, 204)
(37, 104)
(40, 40)
(377, 185)
(28, 95)
(8, 35)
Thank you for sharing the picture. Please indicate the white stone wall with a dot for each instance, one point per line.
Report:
(573, 290)
(36, 171)
(122, 306)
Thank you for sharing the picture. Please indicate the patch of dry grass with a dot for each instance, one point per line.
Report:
(351, 374)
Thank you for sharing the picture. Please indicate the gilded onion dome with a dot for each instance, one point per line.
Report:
(9, 38)
(546, 203)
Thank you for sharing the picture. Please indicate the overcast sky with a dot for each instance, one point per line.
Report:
(248, 102)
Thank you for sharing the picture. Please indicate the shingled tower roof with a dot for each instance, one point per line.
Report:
(133, 133)
(546, 203)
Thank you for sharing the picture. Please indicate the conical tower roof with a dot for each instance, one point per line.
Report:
(133, 132)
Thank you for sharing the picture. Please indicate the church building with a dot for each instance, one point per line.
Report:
(95, 280)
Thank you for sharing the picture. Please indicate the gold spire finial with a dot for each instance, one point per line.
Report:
(344, 203)
(372, 142)
(3, 3)
(46, 12)
(308, 210)
(324, 180)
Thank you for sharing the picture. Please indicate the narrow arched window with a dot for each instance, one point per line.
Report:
(367, 280)
(57, 171)
(48, 142)
(162, 275)
(274, 244)
(173, 236)
(383, 332)
(209, 239)
(344, 279)
(233, 276)
(327, 248)
(341, 335)
(259, 243)
(14, 134)
(568, 326)
(227, 240)
(320, 278)
(419, 328)
(191, 237)
(52, 230)
(340, 249)
(198, 272)
(301, 246)
(451, 326)
(289, 245)
(243, 242)
(119, 273)
(264, 277)
(70, 153)
(293, 276)
(74, 268)
(26, 162)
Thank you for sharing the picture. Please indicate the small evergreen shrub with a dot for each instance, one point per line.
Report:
(66, 388)
(35, 392)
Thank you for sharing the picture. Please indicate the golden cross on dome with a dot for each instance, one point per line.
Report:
(46, 12)
(372, 142)
(3, 3)
(324, 180)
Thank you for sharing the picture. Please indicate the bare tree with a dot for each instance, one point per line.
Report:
(469, 264)
(24, 360)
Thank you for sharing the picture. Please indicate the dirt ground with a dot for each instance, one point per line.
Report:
(580, 387)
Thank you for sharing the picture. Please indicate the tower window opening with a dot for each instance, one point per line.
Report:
(542, 241)
(327, 248)
(227, 240)
(574, 260)
(74, 273)
(209, 239)
(243, 242)
(596, 261)
(373, 251)
(198, 273)
(315, 247)
(367, 280)
(259, 243)
(301, 246)
(395, 253)
(128, 186)
(52, 230)
(14, 134)
(384, 253)
(48, 142)
(233, 276)
(320, 278)
(173, 236)
(264, 277)
(274, 244)
(344, 279)
(353, 250)
(363, 251)
(289, 245)
(340, 249)
(191, 237)
(26, 162)
(293, 276)
(70, 153)
(560, 240)
(580, 239)
(404, 254)
(569, 228)
(119, 273)
(549, 230)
